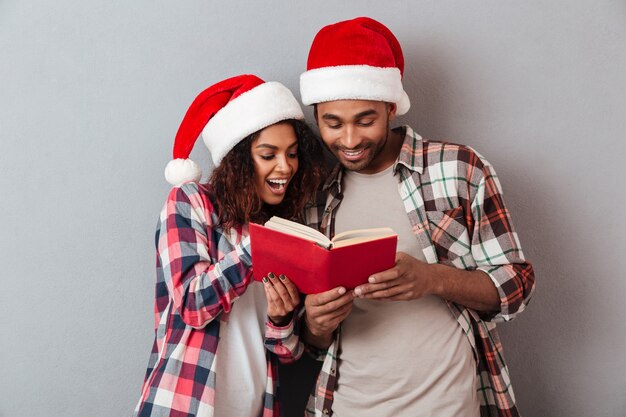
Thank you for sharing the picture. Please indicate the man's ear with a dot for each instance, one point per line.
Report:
(391, 111)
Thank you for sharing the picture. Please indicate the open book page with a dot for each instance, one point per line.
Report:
(297, 229)
(352, 237)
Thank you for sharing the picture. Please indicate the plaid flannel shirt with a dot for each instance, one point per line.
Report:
(453, 199)
(201, 271)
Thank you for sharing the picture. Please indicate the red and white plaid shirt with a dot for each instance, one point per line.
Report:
(453, 200)
(201, 271)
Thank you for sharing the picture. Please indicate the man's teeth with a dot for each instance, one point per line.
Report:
(353, 153)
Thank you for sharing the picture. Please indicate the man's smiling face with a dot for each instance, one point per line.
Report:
(357, 132)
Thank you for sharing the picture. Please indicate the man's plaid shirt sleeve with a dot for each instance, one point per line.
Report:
(496, 248)
(200, 289)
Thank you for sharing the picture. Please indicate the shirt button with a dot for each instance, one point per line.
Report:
(325, 411)
(332, 371)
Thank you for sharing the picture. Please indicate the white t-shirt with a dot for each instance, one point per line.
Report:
(240, 362)
(405, 357)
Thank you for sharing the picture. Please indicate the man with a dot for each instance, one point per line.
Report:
(418, 339)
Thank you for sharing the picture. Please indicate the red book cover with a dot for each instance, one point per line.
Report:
(315, 269)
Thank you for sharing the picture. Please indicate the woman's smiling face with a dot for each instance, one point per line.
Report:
(275, 158)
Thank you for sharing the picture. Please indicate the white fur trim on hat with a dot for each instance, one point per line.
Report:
(354, 82)
(178, 171)
(264, 105)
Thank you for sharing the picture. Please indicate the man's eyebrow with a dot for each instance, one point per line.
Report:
(370, 112)
(327, 116)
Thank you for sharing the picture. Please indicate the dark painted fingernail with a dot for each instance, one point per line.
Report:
(271, 275)
(282, 277)
(265, 280)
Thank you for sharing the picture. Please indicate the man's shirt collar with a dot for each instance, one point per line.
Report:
(411, 154)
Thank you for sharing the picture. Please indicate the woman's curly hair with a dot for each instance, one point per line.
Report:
(233, 181)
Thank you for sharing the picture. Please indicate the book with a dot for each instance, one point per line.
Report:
(315, 263)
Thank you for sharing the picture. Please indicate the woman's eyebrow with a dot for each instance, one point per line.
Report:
(267, 145)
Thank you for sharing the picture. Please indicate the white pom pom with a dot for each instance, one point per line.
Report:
(403, 105)
(181, 170)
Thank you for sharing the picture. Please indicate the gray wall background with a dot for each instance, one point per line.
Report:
(92, 93)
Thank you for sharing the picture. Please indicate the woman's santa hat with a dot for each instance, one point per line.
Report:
(225, 114)
(358, 59)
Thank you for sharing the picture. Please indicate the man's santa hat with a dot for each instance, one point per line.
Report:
(358, 59)
(225, 114)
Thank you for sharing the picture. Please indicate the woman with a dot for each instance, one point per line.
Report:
(209, 356)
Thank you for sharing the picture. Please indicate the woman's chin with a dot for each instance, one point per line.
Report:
(273, 196)
(273, 200)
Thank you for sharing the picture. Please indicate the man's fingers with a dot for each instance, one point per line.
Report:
(385, 276)
(328, 322)
(338, 312)
(331, 306)
(391, 273)
(341, 313)
(370, 288)
(391, 294)
(399, 256)
(364, 289)
(325, 298)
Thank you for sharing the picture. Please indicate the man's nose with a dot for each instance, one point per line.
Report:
(351, 139)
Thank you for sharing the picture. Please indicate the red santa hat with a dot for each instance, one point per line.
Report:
(225, 114)
(357, 59)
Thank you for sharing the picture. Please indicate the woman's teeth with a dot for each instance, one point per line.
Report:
(277, 184)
